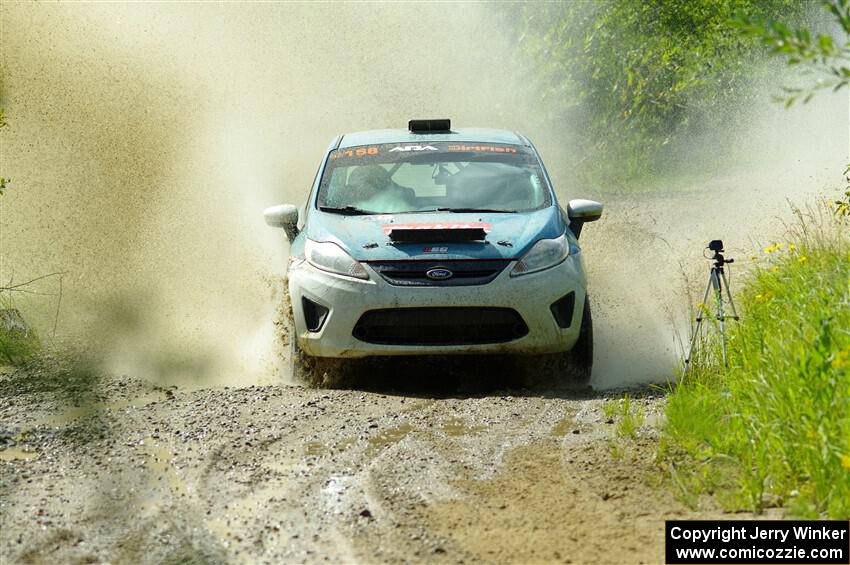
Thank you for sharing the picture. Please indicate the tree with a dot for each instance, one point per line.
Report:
(822, 54)
(638, 78)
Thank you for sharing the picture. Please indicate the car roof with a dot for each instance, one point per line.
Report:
(477, 135)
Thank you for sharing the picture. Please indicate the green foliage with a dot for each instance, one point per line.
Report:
(628, 416)
(775, 429)
(841, 206)
(18, 342)
(821, 53)
(636, 78)
(609, 409)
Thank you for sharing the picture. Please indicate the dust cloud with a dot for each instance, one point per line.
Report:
(646, 263)
(145, 140)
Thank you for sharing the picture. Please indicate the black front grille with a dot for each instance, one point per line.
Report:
(440, 326)
(464, 272)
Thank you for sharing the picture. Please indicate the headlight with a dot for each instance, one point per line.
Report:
(544, 254)
(330, 257)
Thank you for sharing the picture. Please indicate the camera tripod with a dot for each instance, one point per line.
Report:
(716, 281)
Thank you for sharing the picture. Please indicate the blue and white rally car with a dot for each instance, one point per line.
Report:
(437, 241)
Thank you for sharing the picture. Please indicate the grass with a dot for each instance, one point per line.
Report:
(774, 429)
(627, 416)
(18, 341)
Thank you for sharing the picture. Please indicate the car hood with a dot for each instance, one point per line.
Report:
(367, 238)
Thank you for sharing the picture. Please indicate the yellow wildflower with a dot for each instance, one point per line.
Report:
(845, 461)
(792, 247)
(841, 360)
(801, 259)
(775, 269)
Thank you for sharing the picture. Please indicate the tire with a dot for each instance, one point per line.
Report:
(571, 369)
(581, 355)
(319, 372)
(297, 361)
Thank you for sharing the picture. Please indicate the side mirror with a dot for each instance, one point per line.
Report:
(283, 216)
(581, 211)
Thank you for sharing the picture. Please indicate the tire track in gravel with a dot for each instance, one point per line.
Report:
(291, 474)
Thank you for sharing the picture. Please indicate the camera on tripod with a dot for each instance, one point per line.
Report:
(717, 284)
(716, 245)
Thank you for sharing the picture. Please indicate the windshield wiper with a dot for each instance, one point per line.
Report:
(347, 210)
(470, 210)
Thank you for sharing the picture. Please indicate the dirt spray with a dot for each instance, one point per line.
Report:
(145, 140)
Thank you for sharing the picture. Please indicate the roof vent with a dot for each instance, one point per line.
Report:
(430, 126)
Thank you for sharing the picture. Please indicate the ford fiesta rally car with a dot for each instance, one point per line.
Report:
(437, 241)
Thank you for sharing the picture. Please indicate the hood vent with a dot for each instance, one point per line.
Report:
(452, 235)
(437, 232)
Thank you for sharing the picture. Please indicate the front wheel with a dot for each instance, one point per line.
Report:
(581, 355)
(312, 371)
(571, 368)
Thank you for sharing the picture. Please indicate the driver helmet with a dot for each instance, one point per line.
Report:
(368, 180)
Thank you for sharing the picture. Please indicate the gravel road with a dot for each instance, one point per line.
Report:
(117, 470)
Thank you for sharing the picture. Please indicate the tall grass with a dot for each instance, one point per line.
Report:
(774, 429)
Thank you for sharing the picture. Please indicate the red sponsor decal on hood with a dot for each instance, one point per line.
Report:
(439, 226)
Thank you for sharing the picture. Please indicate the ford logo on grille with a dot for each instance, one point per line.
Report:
(438, 274)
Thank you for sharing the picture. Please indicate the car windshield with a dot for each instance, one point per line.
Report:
(421, 177)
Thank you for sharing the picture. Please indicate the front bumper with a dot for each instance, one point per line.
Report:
(347, 299)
